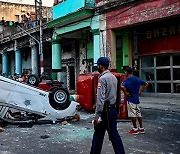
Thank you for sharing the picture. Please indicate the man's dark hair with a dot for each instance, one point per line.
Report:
(129, 70)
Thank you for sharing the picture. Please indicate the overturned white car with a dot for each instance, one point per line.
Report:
(20, 102)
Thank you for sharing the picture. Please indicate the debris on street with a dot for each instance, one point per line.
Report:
(64, 123)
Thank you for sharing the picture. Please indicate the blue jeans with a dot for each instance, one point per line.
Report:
(100, 130)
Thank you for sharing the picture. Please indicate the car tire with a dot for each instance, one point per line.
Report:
(32, 80)
(59, 98)
(43, 78)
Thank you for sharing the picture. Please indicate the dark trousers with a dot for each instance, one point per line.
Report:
(100, 130)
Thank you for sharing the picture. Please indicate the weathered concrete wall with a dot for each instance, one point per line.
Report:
(82, 55)
(11, 11)
(102, 29)
(26, 60)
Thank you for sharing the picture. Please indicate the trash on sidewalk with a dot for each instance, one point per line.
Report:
(76, 118)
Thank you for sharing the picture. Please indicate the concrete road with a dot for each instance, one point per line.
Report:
(162, 136)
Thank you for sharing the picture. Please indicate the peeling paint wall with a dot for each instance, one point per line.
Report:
(108, 43)
(104, 2)
(102, 28)
(82, 55)
(26, 60)
(12, 11)
(142, 12)
(113, 50)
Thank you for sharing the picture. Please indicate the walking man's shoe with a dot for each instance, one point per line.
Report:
(141, 130)
(134, 131)
(1, 129)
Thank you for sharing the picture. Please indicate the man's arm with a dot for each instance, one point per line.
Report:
(125, 90)
(100, 100)
(143, 87)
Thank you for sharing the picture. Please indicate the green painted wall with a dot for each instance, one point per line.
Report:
(90, 50)
(125, 47)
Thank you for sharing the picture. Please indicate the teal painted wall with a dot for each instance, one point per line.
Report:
(90, 50)
(73, 27)
(96, 41)
(90, 3)
(70, 6)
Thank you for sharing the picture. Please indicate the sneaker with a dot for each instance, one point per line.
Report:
(1, 129)
(141, 130)
(134, 131)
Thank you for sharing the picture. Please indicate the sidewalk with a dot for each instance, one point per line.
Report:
(160, 103)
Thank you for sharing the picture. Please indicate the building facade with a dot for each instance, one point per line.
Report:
(19, 50)
(76, 40)
(145, 35)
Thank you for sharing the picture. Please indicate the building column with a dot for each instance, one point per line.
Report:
(18, 62)
(111, 47)
(56, 57)
(96, 42)
(34, 60)
(5, 63)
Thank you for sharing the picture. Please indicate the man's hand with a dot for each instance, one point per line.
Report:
(96, 121)
(94, 106)
(140, 91)
(127, 93)
(143, 87)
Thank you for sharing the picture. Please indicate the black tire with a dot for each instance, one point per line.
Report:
(59, 98)
(32, 80)
(43, 78)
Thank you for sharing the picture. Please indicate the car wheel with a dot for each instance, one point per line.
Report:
(59, 98)
(32, 80)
